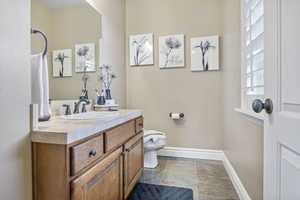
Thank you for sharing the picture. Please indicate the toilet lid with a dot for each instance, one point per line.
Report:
(153, 136)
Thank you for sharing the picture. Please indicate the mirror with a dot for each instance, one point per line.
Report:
(73, 29)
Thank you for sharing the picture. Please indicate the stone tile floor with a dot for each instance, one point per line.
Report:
(208, 179)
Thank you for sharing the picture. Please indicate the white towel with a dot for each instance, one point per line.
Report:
(40, 85)
(153, 135)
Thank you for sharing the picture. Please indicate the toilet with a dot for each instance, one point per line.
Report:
(153, 142)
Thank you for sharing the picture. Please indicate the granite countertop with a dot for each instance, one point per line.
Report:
(63, 131)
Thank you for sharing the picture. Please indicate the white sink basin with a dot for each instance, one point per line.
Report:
(92, 115)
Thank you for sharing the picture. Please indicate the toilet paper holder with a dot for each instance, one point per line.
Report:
(176, 116)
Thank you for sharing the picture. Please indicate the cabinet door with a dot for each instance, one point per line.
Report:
(134, 163)
(103, 182)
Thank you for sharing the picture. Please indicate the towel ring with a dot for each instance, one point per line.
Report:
(33, 31)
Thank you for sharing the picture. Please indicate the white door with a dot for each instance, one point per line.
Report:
(282, 127)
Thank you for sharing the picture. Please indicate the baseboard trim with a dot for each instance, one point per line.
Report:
(204, 154)
(207, 154)
(237, 183)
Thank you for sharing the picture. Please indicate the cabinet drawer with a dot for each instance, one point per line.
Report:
(104, 181)
(139, 125)
(117, 136)
(84, 154)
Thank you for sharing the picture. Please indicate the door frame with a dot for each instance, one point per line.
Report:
(273, 91)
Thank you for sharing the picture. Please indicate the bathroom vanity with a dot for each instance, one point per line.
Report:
(88, 159)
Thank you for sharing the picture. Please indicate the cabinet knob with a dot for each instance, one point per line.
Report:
(92, 153)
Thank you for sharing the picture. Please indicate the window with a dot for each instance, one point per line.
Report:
(252, 51)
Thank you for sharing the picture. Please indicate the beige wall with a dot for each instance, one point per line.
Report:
(66, 27)
(198, 95)
(15, 170)
(208, 99)
(243, 139)
(40, 20)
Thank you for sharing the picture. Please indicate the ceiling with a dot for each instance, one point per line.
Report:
(61, 3)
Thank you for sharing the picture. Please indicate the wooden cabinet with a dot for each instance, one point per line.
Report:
(50, 172)
(102, 182)
(133, 163)
(105, 166)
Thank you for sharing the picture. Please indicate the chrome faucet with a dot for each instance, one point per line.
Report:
(68, 110)
(84, 98)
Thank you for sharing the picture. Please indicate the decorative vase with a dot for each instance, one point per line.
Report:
(101, 100)
(107, 94)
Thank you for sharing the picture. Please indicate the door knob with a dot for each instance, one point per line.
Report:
(258, 105)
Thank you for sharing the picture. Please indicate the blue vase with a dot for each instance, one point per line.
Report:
(107, 94)
(101, 100)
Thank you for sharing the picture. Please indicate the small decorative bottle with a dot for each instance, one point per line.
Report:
(101, 99)
(107, 94)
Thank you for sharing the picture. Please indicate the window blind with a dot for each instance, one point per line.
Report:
(253, 26)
